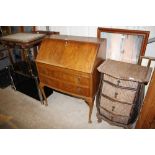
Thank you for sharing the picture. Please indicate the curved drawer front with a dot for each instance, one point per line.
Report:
(122, 95)
(115, 118)
(115, 107)
(122, 83)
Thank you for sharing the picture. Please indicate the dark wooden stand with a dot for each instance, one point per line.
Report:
(24, 69)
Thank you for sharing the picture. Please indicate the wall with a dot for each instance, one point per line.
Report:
(91, 31)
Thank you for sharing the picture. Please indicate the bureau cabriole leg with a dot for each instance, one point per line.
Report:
(90, 113)
(90, 104)
(41, 86)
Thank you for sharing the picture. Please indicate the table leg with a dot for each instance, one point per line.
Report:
(35, 52)
(10, 55)
(39, 90)
(41, 86)
(26, 52)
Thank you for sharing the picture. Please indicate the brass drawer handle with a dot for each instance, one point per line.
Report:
(116, 94)
(113, 108)
(118, 82)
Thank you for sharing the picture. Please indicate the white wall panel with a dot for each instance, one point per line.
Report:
(91, 31)
(78, 30)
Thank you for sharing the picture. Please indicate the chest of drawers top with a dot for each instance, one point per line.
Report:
(125, 71)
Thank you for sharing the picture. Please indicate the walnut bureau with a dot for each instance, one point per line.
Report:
(69, 64)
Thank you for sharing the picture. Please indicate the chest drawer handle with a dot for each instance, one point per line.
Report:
(112, 118)
(116, 94)
(113, 108)
(118, 82)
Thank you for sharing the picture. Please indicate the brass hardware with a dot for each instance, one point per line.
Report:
(118, 82)
(113, 107)
(116, 94)
(112, 118)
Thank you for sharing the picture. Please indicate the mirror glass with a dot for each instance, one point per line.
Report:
(123, 47)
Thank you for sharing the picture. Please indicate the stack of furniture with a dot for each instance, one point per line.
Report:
(69, 64)
(121, 92)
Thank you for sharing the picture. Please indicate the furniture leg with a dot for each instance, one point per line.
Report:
(90, 113)
(39, 90)
(90, 104)
(43, 93)
(11, 78)
(26, 52)
(35, 52)
(23, 55)
(10, 56)
(99, 119)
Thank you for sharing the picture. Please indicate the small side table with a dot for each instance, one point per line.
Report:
(25, 68)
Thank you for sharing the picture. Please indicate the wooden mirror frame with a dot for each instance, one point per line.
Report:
(145, 35)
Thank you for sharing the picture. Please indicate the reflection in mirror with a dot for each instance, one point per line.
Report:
(124, 45)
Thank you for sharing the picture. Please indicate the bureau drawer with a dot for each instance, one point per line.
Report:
(119, 94)
(82, 91)
(64, 86)
(50, 82)
(114, 118)
(75, 79)
(64, 76)
(115, 107)
(122, 83)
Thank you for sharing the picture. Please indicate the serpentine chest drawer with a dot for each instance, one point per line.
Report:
(121, 92)
(69, 64)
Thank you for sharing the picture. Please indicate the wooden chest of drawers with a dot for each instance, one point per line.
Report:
(121, 92)
(69, 64)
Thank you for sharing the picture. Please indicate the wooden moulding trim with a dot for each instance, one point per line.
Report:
(145, 34)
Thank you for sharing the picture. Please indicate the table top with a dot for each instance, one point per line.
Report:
(125, 71)
(22, 37)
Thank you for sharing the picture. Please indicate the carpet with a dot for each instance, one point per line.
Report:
(6, 122)
(62, 112)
